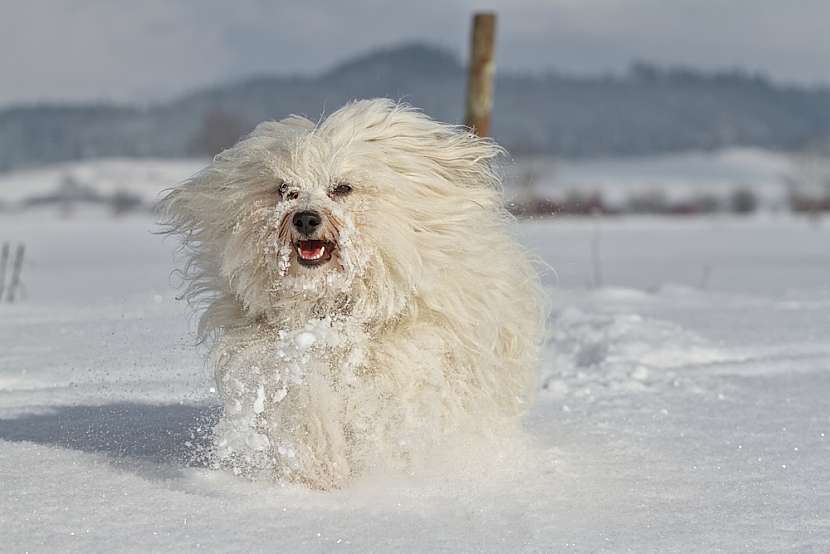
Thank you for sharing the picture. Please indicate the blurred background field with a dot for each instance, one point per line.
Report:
(738, 180)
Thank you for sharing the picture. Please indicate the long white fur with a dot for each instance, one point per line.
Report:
(425, 326)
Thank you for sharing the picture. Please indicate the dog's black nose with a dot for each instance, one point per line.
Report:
(306, 222)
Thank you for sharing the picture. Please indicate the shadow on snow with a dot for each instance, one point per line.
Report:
(174, 435)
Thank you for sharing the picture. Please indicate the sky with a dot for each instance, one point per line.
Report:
(151, 50)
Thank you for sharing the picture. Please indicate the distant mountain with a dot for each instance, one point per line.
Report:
(647, 110)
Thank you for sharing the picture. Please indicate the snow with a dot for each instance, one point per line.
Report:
(305, 340)
(682, 405)
(144, 178)
(770, 175)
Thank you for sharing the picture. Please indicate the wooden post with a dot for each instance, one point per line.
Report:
(4, 258)
(16, 269)
(482, 68)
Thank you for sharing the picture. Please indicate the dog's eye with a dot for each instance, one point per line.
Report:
(341, 189)
(287, 193)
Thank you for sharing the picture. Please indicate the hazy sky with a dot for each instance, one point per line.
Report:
(144, 50)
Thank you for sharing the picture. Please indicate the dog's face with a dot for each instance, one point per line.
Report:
(310, 229)
(365, 207)
(317, 218)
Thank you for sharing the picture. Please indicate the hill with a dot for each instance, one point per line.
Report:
(647, 110)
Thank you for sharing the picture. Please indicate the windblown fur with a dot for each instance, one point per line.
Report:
(423, 326)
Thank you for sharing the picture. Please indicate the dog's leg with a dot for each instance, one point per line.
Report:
(240, 444)
(307, 434)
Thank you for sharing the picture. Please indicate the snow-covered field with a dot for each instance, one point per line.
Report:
(683, 406)
(770, 177)
(144, 178)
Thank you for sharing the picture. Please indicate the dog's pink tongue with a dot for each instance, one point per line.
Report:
(310, 249)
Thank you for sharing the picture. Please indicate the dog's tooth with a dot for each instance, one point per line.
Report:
(312, 254)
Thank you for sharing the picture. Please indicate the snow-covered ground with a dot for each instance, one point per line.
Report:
(683, 406)
(142, 178)
(770, 177)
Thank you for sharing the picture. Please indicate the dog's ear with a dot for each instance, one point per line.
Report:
(407, 136)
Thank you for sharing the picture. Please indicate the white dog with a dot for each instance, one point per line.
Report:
(365, 300)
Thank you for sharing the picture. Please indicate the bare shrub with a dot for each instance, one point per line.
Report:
(743, 201)
(219, 131)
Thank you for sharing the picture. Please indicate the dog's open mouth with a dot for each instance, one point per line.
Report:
(313, 252)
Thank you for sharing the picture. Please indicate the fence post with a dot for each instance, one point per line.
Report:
(17, 267)
(482, 69)
(4, 259)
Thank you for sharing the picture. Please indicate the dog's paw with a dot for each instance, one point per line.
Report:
(319, 460)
